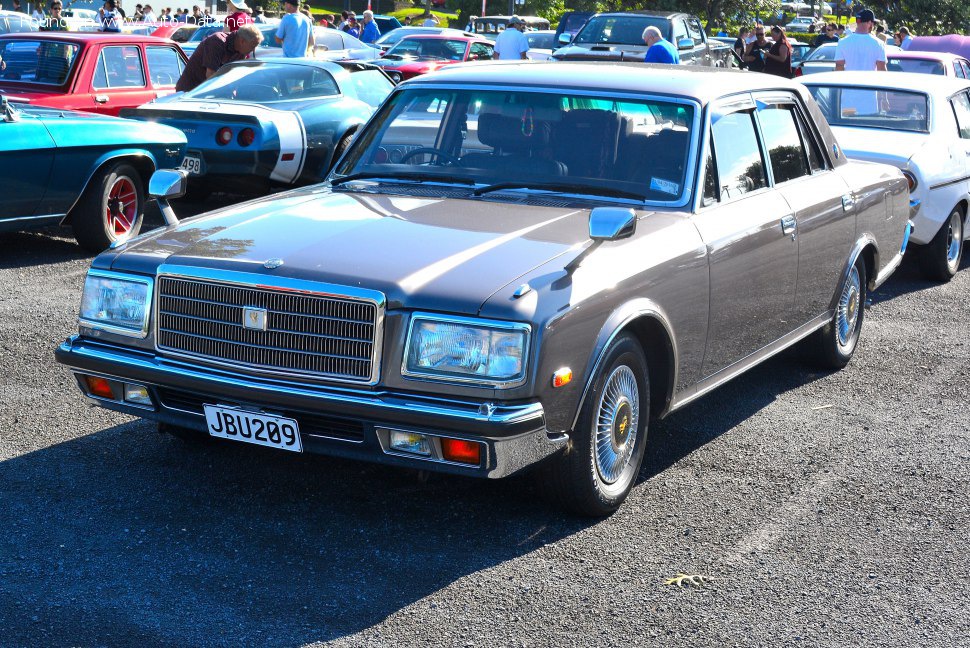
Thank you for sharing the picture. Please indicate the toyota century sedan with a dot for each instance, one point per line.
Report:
(512, 266)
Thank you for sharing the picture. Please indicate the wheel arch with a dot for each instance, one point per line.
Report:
(866, 249)
(651, 328)
(143, 161)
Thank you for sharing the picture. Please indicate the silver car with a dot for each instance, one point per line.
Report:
(513, 266)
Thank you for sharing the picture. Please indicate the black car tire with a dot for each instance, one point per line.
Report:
(113, 201)
(940, 258)
(835, 343)
(578, 479)
(338, 151)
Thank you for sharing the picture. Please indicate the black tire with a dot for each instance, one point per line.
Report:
(583, 481)
(339, 151)
(835, 343)
(111, 208)
(940, 258)
(186, 435)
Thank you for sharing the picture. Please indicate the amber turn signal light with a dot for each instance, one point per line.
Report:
(562, 377)
(466, 452)
(99, 387)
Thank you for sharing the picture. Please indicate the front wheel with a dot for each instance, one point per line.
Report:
(110, 209)
(600, 466)
(836, 341)
(940, 258)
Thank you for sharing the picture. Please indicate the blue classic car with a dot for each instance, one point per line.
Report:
(275, 122)
(86, 170)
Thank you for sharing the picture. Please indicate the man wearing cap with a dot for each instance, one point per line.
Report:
(861, 50)
(295, 32)
(659, 50)
(511, 44)
(215, 51)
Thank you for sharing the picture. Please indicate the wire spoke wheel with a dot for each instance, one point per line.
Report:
(617, 422)
(848, 310)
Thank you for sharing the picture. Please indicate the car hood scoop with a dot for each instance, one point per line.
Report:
(426, 253)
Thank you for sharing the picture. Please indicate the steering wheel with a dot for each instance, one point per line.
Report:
(428, 150)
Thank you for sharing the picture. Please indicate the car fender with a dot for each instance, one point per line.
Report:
(140, 156)
(617, 322)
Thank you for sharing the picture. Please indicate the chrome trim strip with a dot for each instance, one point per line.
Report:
(728, 373)
(887, 271)
(285, 285)
(472, 322)
(141, 333)
(949, 182)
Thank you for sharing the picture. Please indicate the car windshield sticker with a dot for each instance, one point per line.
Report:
(666, 186)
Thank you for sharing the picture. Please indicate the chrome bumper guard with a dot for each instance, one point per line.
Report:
(515, 436)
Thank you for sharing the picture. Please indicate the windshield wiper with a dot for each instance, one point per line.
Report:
(417, 177)
(560, 187)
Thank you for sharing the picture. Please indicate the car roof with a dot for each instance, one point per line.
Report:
(911, 81)
(85, 37)
(657, 14)
(461, 36)
(691, 81)
(932, 56)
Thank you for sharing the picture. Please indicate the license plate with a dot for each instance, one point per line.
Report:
(250, 427)
(192, 164)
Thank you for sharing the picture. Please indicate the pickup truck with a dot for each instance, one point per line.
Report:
(619, 37)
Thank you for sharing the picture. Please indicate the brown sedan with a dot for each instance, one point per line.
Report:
(513, 266)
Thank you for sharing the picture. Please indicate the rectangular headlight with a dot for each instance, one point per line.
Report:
(467, 350)
(116, 303)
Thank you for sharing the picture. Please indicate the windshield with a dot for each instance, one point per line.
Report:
(17, 23)
(488, 136)
(824, 53)
(393, 37)
(920, 66)
(872, 107)
(265, 82)
(35, 61)
(428, 49)
(619, 30)
(200, 33)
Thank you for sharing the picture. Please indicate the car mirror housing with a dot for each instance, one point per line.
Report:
(611, 223)
(685, 43)
(565, 39)
(165, 185)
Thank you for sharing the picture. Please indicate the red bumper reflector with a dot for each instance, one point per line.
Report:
(287, 157)
(99, 387)
(467, 452)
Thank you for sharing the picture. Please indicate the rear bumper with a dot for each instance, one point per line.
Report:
(333, 420)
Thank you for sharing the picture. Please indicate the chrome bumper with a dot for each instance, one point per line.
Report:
(514, 436)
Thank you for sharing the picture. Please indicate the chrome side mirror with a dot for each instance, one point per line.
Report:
(611, 223)
(685, 44)
(165, 185)
(565, 38)
(10, 114)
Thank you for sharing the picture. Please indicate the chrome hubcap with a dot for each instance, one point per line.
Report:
(849, 305)
(617, 422)
(954, 238)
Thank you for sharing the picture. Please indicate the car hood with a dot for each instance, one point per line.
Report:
(889, 147)
(410, 65)
(442, 254)
(99, 130)
(619, 52)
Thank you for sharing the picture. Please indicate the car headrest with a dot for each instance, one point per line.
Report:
(521, 135)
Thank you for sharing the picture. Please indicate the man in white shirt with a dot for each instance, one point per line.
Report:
(511, 44)
(431, 21)
(861, 50)
(907, 37)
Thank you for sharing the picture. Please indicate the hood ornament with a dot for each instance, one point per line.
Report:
(272, 264)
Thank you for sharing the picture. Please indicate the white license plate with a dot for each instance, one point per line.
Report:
(249, 427)
(192, 164)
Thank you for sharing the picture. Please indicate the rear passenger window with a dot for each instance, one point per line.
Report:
(164, 65)
(119, 67)
(740, 168)
(785, 150)
(961, 108)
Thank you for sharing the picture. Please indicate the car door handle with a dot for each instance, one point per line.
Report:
(848, 202)
(788, 225)
(101, 99)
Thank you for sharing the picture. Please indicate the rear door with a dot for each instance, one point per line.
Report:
(26, 156)
(119, 80)
(165, 66)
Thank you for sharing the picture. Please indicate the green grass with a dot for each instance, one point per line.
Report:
(318, 10)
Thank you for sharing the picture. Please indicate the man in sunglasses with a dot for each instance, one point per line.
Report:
(826, 35)
(754, 53)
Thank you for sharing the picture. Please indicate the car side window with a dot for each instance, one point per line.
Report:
(966, 69)
(785, 150)
(695, 31)
(958, 70)
(679, 32)
(481, 52)
(710, 181)
(164, 65)
(740, 168)
(119, 67)
(961, 109)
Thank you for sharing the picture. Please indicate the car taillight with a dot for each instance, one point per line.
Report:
(798, 71)
(224, 136)
(911, 179)
(246, 137)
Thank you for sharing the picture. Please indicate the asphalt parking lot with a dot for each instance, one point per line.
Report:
(824, 509)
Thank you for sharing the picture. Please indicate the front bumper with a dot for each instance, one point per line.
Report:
(333, 420)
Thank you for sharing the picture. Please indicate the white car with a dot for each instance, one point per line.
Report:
(802, 24)
(919, 123)
(329, 44)
(541, 44)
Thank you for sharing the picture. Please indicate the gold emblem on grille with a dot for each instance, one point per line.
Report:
(254, 318)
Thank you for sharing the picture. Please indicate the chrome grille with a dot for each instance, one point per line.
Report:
(327, 336)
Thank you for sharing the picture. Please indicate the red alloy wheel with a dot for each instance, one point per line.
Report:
(122, 206)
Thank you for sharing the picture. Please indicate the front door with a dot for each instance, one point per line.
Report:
(119, 80)
(746, 226)
(26, 156)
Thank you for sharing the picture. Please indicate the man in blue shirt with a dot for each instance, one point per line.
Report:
(295, 32)
(659, 50)
(369, 33)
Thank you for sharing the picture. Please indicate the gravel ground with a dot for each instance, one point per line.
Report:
(826, 509)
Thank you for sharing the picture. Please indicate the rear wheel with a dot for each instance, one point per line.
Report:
(110, 209)
(338, 151)
(836, 342)
(940, 258)
(599, 468)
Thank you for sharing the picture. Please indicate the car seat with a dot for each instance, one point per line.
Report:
(516, 150)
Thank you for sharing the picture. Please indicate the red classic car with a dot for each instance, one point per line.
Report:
(100, 73)
(423, 53)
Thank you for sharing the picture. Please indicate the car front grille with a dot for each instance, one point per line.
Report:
(326, 336)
